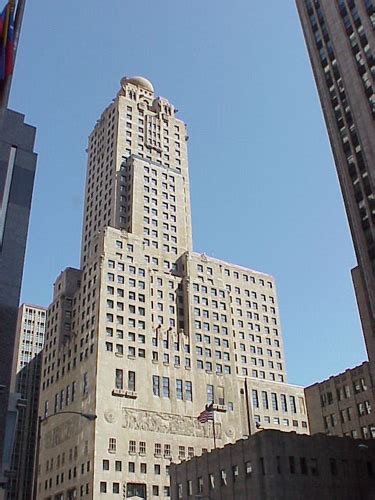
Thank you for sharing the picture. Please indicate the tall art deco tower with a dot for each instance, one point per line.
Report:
(340, 39)
(149, 332)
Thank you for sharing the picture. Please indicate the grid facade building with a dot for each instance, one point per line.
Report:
(340, 39)
(25, 385)
(149, 332)
(31, 327)
(343, 405)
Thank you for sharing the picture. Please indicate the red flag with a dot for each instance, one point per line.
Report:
(206, 415)
(7, 40)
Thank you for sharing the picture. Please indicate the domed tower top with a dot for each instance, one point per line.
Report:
(139, 81)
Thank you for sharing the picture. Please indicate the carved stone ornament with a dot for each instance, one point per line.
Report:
(109, 416)
(230, 432)
(144, 420)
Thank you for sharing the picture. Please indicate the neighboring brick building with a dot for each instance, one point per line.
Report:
(343, 405)
(279, 465)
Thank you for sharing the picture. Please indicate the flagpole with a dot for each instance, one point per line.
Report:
(213, 425)
(211, 408)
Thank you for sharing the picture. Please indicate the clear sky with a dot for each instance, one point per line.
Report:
(264, 189)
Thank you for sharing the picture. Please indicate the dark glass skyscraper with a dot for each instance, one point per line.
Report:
(340, 39)
(17, 170)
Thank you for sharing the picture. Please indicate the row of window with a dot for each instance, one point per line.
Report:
(161, 387)
(279, 465)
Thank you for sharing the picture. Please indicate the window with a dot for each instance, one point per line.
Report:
(157, 449)
(85, 384)
(303, 465)
(156, 385)
(103, 487)
(200, 484)
(118, 466)
(142, 447)
(210, 393)
(179, 391)
(188, 391)
(166, 390)
(283, 403)
(116, 487)
(275, 406)
(112, 445)
(132, 447)
(248, 468)
(119, 379)
(131, 381)
(333, 466)
(131, 466)
(292, 402)
(105, 464)
(255, 399)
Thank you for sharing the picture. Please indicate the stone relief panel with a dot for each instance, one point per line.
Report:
(144, 420)
(61, 433)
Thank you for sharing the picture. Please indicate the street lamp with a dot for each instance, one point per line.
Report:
(88, 416)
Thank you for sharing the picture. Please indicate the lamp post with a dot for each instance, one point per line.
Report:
(88, 416)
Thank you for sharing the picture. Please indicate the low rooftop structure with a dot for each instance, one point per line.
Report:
(284, 465)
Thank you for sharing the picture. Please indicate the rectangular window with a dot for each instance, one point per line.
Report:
(265, 400)
(142, 447)
(132, 446)
(112, 445)
(85, 388)
(284, 406)
(119, 379)
(166, 390)
(131, 381)
(179, 391)
(275, 406)
(255, 399)
(292, 402)
(188, 391)
(156, 385)
(210, 394)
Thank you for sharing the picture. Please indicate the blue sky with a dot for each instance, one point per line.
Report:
(264, 189)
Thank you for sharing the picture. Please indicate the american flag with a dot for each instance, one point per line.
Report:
(206, 415)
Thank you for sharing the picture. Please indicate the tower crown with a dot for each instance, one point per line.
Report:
(139, 81)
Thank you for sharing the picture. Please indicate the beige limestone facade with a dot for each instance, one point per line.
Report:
(149, 332)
